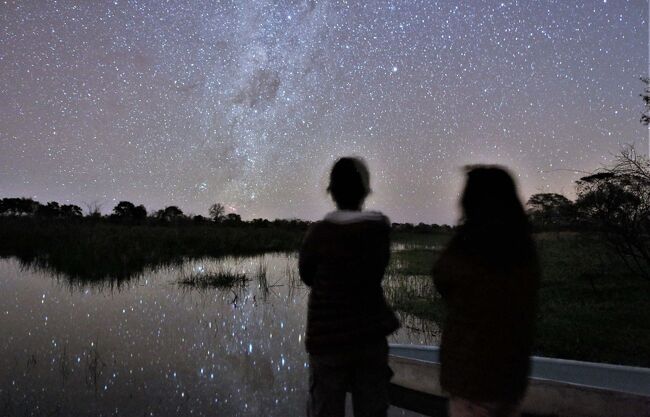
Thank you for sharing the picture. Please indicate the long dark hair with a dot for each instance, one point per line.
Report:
(494, 223)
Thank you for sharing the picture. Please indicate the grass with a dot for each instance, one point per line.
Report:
(590, 307)
(408, 284)
(412, 261)
(262, 279)
(90, 251)
(412, 240)
(225, 273)
(219, 279)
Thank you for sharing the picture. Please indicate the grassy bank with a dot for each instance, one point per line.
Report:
(87, 250)
(590, 309)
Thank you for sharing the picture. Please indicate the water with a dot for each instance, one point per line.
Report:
(154, 348)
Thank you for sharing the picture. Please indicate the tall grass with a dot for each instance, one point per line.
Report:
(262, 279)
(93, 251)
(411, 240)
(217, 279)
(590, 306)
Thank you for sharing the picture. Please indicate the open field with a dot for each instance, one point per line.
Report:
(590, 307)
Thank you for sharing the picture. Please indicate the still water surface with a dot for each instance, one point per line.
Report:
(155, 348)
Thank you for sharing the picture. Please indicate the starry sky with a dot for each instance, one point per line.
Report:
(249, 103)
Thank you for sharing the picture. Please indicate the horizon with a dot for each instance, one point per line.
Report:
(104, 211)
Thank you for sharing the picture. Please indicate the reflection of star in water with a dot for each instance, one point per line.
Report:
(265, 373)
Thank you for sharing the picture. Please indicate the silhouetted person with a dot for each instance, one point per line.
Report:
(342, 259)
(488, 277)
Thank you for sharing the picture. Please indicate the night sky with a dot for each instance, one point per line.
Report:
(250, 103)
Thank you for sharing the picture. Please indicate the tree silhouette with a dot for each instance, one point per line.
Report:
(128, 210)
(169, 213)
(550, 210)
(70, 211)
(139, 212)
(50, 210)
(124, 209)
(232, 219)
(217, 212)
(615, 201)
(18, 206)
(93, 209)
(27, 206)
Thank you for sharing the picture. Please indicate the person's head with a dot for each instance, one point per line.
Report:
(349, 183)
(490, 198)
(495, 226)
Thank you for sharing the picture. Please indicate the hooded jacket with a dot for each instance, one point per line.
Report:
(342, 259)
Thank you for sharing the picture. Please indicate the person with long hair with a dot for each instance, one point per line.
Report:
(342, 260)
(488, 277)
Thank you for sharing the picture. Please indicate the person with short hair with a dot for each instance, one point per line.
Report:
(488, 277)
(342, 260)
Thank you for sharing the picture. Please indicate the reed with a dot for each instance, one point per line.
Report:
(220, 279)
(87, 251)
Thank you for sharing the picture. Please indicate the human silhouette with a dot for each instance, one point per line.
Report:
(342, 259)
(488, 277)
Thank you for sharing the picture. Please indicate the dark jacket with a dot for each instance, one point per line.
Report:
(488, 334)
(343, 261)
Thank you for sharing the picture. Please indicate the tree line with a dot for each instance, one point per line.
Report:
(128, 212)
(613, 201)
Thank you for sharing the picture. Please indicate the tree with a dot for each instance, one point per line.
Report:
(93, 209)
(422, 228)
(124, 209)
(170, 213)
(71, 211)
(232, 219)
(261, 223)
(550, 210)
(217, 212)
(128, 210)
(18, 206)
(50, 210)
(139, 212)
(615, 201)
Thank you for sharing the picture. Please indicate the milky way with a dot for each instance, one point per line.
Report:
(249, 103)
